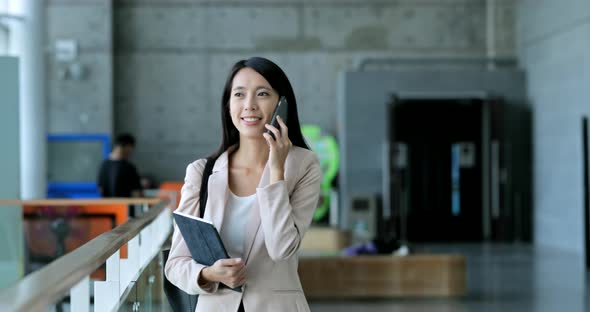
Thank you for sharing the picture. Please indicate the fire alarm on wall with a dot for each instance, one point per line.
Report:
(66, 50)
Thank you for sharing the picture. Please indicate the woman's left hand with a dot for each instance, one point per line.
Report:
(279, 149)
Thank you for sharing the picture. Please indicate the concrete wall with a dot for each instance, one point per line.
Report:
(80, 105)
(554, 48)
(172, 56)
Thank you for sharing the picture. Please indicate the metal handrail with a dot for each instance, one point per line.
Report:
(43, 288)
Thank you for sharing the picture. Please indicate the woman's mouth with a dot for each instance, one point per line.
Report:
(250, 121)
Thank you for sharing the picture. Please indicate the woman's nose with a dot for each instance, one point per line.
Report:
(251, 104)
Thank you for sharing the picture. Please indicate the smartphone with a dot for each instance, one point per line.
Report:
(280, 110)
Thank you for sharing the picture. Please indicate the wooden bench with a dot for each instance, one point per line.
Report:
(383, 276)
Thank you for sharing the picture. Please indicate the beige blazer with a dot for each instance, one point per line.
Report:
(278, 221)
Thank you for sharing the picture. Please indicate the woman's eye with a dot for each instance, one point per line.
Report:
(263, 93)
(238, 94)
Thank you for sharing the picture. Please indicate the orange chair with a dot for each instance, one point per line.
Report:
(80, 224)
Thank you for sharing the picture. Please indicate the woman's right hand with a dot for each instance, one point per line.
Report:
(230, 272)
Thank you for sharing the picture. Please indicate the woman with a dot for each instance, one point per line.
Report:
(261, 198)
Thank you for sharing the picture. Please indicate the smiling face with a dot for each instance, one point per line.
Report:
(252, 102)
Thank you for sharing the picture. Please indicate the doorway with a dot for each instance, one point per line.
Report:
(442, 172)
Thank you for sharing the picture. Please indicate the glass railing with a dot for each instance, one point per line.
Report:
(130, 283)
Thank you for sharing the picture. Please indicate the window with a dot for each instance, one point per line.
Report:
(4, 28)
(8, 18)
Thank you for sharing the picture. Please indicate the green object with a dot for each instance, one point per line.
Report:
(326, 148)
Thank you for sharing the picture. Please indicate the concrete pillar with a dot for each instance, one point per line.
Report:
(27, 44)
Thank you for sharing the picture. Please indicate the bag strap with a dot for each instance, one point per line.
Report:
(204, 186)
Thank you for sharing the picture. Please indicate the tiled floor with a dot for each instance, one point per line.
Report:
(502, 278)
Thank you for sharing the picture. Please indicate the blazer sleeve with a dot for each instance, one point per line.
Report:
(284, 220)
(181, 270)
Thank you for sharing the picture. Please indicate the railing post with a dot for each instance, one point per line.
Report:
(107, 293)
(113, 267)
(130, 266)
(163, 226)
(80, 296)
(145, 245)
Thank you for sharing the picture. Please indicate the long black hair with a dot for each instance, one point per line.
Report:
(279, 82)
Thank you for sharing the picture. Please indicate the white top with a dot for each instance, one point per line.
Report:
(235, 217)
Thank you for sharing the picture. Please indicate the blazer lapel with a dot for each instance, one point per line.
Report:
(254, 222)
(218, 192)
